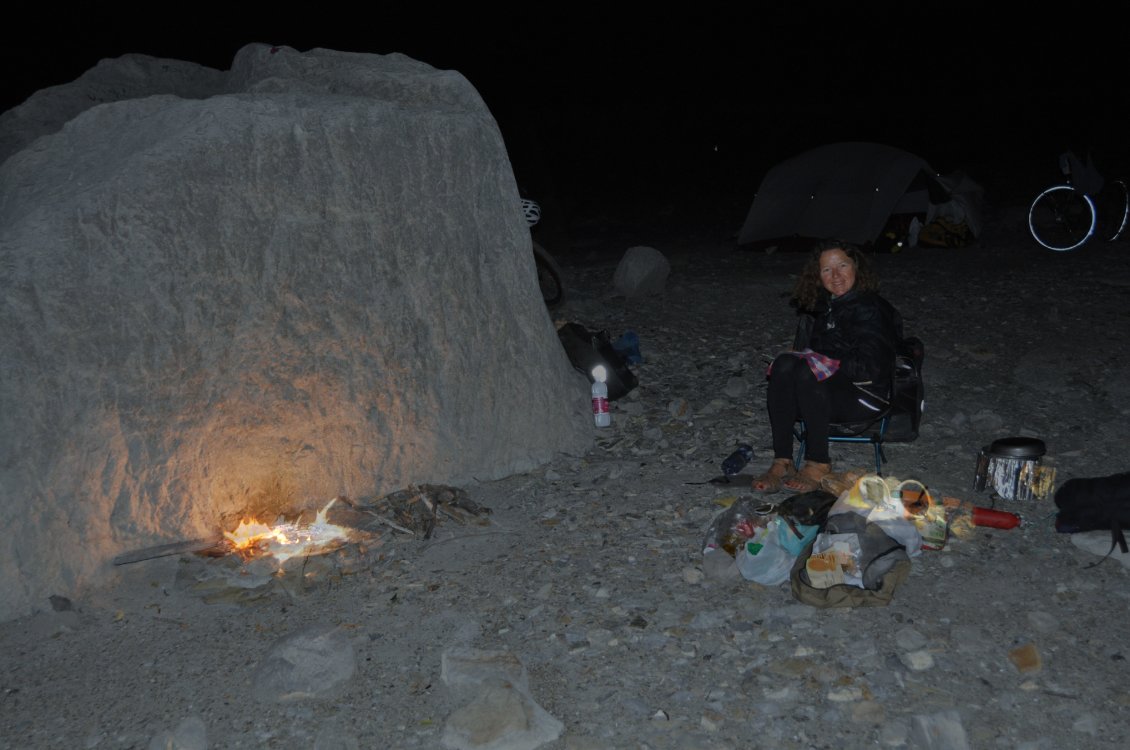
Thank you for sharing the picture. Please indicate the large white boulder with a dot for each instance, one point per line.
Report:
(314, 281)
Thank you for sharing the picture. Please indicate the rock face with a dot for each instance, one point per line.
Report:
(126, 77)
(315, 280)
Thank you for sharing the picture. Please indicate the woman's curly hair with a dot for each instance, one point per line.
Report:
(808, 291)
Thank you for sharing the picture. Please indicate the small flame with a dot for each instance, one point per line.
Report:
(287, 540)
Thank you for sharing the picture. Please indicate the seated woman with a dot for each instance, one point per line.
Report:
(841, 365)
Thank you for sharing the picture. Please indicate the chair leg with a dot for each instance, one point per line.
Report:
(801, 436)
(800, 432)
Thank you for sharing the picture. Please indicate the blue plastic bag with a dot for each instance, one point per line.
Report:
(628, 347)
(791, 542)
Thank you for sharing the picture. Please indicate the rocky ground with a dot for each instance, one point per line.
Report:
(581, 615)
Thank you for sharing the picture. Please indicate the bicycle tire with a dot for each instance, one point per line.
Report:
(1062, 218)
(1113, 206)
(550, 278)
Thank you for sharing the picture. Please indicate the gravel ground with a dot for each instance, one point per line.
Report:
(590, 572)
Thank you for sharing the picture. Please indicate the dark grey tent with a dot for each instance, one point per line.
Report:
(850, 191)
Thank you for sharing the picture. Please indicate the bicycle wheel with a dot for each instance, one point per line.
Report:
(1062, 218)
(1113, 207)
(550, 278)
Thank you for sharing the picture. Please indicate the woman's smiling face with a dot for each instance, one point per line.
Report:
(837, 272)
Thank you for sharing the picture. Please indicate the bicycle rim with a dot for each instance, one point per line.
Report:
(1113, 206)
(549, 277)
(1061, 218)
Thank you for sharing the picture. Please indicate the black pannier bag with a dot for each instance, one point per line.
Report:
(586, 349)
(1095, 504)
(908, 394)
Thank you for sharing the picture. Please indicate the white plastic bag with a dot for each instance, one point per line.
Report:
(763, 559)
(872, 498)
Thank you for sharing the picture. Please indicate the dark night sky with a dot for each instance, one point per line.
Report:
(707, 100)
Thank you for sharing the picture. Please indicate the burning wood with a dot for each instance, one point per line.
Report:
(204, 544)
(415, 510)
(287, 540)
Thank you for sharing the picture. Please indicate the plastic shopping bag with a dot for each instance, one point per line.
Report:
(768, 558)
(877, 500)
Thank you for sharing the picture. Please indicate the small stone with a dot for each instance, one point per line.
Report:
(846, 694)
(909, 639)
(1045, 622)
(1026, 658)
(60, 603)
(680, 408)
(711, 721)
(736, 387)
(717, 565)
(868, 712)
(939, 731)
(1087, 724)
(190, 734)
(917, 661)
(782, 693)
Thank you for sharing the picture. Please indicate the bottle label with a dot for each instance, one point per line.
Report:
(599, 405)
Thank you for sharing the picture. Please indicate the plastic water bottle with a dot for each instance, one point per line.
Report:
(737, 460)
(600, 412)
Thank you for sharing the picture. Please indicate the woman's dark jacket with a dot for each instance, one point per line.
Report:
(861, 330)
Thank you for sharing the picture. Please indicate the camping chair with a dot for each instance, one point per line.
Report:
(870, 431)
(896, 423)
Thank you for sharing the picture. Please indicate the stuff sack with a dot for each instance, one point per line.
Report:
(850, 548)
(908, 394)
(586, 349)
(1095, 504)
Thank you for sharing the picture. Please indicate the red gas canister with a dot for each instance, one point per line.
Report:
(998, 519)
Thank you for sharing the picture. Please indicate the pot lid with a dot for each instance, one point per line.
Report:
(1018, 447)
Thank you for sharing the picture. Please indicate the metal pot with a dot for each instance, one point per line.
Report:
(1010, 466)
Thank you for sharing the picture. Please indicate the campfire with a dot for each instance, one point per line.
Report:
(291, 539)
(412, 512)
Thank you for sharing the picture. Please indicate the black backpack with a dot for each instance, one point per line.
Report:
(908, 396)
(1095, 504)
(586, 349)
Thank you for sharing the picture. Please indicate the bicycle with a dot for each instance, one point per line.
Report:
(550, 279)
(1064, 217)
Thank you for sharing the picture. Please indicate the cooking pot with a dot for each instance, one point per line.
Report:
(1011, 467)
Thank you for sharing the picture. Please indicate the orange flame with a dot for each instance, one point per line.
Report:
(284, 541)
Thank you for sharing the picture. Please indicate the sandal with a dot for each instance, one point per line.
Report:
(808, 478)
(770, 481)
(839, 482)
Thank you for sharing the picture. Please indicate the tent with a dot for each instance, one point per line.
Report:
(851, 190)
